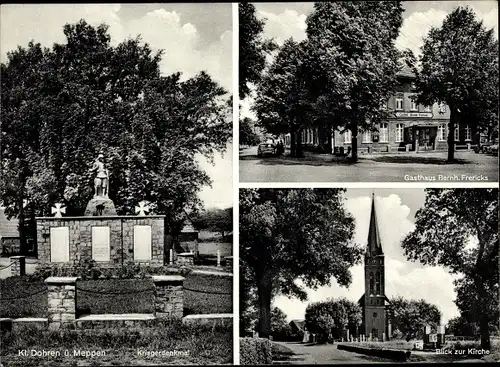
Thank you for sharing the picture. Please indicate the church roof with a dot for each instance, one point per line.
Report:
(374, 246)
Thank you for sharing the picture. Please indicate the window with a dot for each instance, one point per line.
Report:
(399, 103)
(427, 109)
(371, 282)
(347, 137)
(384, 132)
(441, 135)
(442, 108)
(413, 105)
(468, 133)
(399, 132)
(377, 283)
(456, 134)
(367, 136)
(378, 304)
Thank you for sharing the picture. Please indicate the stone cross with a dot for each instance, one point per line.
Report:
(58, 210)
(142, 208)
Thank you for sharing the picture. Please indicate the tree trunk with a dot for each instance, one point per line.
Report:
(293, 145)
(354, 142)
(483, 316)
(264, 290)
(300, 154)
(451, 136)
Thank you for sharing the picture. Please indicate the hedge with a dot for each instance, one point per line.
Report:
(255, 351)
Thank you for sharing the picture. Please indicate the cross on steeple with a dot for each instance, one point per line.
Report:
(142, 208)
(58, 210)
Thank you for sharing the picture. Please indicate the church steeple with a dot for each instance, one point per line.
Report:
(374, 246)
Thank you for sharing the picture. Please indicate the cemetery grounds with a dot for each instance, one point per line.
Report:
(309, 353)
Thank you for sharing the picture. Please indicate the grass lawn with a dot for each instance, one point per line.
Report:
(15, 299)
(205, 294)
(281, 353)
(169, 343)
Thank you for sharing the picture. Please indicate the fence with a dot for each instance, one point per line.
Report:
(168, 291)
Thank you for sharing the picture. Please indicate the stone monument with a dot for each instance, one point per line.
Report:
(100, 204)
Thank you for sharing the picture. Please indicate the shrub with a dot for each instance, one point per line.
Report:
(255, 351)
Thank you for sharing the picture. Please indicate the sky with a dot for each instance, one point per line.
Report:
(285, 20)
(195, 37)
(395, 210)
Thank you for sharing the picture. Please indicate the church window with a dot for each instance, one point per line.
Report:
(374, 315)
(377, 283)
(371, 283)
(378, 302)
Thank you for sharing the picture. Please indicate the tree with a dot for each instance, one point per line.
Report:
(411, 316)
(280, 329)
(247, 134)
(253, 48)
(354, 45)
(332, 315)
(293, 238)
(62, 106)
(447, 229)
(459, 67)
(283, 102)
(215, 220)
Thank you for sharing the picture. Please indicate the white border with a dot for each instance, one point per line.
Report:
(236, 178)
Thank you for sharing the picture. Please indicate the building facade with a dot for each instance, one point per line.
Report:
(376, 323)
(411, 127)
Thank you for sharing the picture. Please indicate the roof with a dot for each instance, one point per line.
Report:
(8, 228)
(374, 246)
(405, 72)
(299, 323)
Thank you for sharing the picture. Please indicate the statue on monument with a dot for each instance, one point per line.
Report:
(101, 180)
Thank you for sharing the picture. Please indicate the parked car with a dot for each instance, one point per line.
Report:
(493, 149)
(266, 149)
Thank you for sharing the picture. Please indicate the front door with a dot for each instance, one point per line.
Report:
(426, 138)
(374, 334)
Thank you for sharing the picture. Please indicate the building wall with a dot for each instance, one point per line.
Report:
(121, 237)
(430, 118)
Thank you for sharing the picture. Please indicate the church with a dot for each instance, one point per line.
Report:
(376, 322)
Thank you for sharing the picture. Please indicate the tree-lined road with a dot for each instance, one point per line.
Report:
(370, 168)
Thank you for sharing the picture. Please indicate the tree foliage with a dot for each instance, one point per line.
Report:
(247, 134)
(284, 98)
(294, 238)
(458, 229)
(215, 220)
(62, 106)
(354, 45)
(411, 316)
(332, 315)
(253, 47)
(459, 67)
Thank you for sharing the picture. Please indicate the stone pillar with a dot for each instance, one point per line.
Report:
(169, 296)
(18, 267)
(61, 302)
(171, 258)
(229, 264)
(383, 337)
(218, 258)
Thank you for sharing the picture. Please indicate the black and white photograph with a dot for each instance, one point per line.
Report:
(116, 206)
(354, 276)
(368, 91)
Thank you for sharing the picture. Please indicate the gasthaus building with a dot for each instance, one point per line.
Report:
(412, 127)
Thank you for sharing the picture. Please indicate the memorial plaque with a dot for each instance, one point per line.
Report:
(142, 243)
(59, 244)
(100, 244)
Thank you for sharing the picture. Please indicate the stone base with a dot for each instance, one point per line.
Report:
(100, 206)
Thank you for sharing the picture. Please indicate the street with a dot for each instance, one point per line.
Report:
(403, 167)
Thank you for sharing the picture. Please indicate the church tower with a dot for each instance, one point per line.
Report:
(374, 306)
